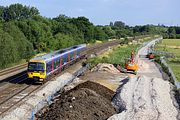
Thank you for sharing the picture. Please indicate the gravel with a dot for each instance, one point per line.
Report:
(146, 96)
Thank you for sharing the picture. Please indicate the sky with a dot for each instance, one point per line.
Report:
(102, 12)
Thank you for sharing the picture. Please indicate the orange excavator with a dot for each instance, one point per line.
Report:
(130, 65)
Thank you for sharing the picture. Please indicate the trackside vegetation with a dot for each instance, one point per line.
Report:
(115, 56)
(24, 32)
(170, 48)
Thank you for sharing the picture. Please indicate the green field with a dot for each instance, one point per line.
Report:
(171, 42)
(176, 69)
(171, 46)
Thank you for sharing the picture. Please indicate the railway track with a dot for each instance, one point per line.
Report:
(13, 97)
(16, 98)
(89, 49)
(15, 93)
(23, 66)
(12, 69)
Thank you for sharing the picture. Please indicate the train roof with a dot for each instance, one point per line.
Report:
(57, 53)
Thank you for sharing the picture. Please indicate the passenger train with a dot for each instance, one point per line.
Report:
(40, 67)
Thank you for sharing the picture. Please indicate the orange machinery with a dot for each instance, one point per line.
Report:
(130, 64)
(150, 54)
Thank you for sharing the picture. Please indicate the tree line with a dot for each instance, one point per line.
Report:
(24, 32)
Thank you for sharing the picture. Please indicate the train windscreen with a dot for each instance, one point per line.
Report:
(35, 66)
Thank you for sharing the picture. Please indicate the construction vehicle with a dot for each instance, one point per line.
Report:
(150, 54)
(130, 65)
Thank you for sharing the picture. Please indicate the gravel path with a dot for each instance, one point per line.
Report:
(146, 96)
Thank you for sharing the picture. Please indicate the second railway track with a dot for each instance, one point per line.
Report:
(17, 92)
(12, 69)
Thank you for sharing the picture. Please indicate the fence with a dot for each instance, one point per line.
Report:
(169, 71)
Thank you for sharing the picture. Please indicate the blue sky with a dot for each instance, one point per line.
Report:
(101, 12)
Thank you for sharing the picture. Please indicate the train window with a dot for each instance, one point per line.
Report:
(61, 51)
(56, 63)
(75, 47)
(49, 67)
(64, 60)
(72, 55)
(35, 66)
(78, 53)
(31, 66)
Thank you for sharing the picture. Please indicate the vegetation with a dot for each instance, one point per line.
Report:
(171, 46)
(171, 42)
(24, 32)
(175, 68)
(115, 56)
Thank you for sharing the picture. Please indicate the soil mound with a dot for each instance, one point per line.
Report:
(88, 100)
(105, 67)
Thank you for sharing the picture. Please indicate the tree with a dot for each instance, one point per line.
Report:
(111, 24)
(8, 48)
(119, 24)
(24, 47)
(63, 41)
(18, 11)
(84, 25)
(1, 12)
(109, 32)
(100, 34)
(172, 32)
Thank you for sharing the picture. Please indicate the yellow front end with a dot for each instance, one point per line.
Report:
(36, 74)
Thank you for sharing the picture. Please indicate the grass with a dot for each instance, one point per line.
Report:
(176, 69)
(171, 42)
(115, 56)
(166, 48)
(14, 64)
(174, 62)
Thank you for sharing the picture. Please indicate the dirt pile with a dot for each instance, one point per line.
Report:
(88, 100)
(105, 67)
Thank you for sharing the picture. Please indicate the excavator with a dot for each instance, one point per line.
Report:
(130, 65)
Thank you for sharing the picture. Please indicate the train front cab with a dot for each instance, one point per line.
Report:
(36, 71)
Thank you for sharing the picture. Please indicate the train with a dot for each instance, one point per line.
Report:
(41, 67)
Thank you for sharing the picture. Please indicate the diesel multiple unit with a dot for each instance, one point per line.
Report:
(40, 67)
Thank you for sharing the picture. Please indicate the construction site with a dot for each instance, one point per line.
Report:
(137, 91)
(89, 60)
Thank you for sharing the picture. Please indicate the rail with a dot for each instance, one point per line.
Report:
(13, 69)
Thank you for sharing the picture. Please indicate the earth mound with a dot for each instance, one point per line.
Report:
(88, 100)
